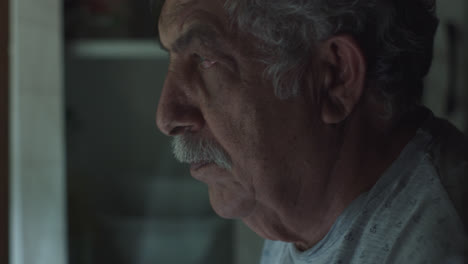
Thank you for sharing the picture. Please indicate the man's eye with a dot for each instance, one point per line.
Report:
(203, 62)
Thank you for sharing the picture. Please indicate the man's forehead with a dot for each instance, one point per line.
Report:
(177, 15)
(173, 10)
(176, 11)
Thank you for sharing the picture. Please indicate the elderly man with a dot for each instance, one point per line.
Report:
(302, 117)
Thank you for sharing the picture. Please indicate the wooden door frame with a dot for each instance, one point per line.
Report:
(4, 131)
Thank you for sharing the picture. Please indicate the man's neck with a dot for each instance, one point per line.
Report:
(371, 145)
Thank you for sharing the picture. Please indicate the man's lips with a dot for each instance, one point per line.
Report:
(199, 165)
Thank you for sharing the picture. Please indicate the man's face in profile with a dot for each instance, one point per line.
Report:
(245, 143)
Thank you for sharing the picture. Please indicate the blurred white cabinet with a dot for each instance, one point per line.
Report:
(129, 201)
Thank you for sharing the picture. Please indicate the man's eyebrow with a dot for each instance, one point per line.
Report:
(205, 34)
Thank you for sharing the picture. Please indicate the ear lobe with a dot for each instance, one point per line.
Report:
(344, 78)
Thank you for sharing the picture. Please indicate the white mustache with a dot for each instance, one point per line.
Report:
(188, 148)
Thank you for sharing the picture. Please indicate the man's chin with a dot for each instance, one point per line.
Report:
(227, 204)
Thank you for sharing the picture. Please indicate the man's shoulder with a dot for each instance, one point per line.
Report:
(448, 153)
(449, 146)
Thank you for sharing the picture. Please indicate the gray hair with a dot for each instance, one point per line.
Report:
(190, 148)
(396, 36)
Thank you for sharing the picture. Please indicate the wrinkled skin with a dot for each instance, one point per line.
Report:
(286, 181)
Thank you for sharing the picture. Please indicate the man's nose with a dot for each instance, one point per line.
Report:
(177, 113)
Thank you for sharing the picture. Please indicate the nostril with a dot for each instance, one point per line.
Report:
(179, 130)
(179, 122)
(174, 118)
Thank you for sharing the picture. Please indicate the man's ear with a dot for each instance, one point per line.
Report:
(344, 71)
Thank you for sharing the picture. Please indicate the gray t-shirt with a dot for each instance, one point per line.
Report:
(415, 213)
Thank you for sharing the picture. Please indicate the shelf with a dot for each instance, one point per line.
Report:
(116, 49)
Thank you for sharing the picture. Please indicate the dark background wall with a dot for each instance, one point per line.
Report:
(4, 31)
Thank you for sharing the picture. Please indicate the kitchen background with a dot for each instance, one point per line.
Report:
(93, 180)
